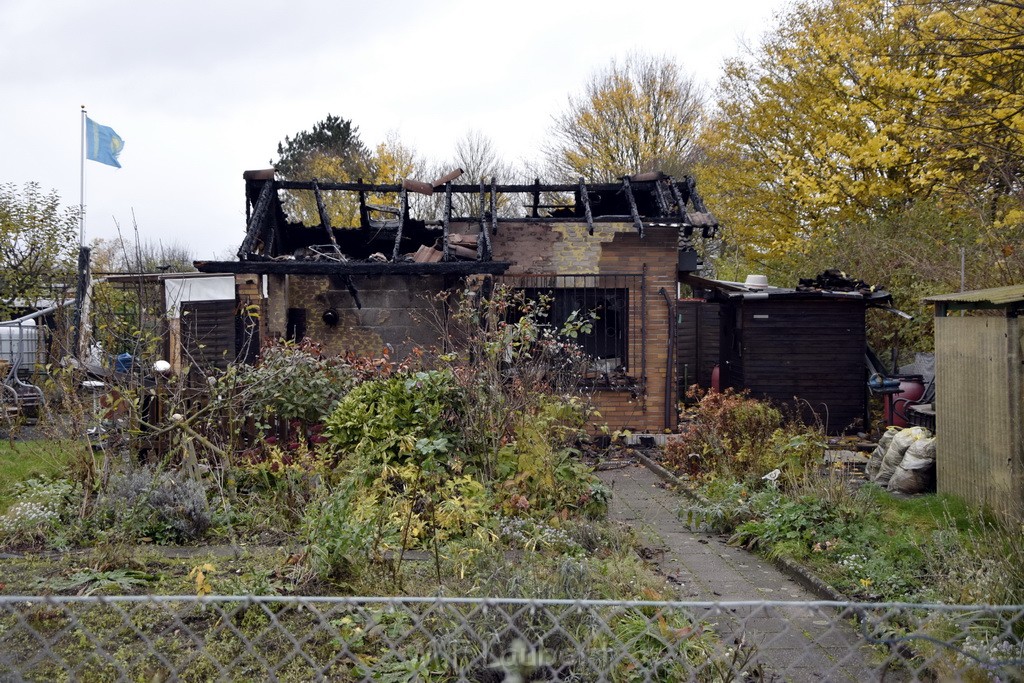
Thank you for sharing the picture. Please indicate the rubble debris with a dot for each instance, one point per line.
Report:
(834, 280)
(427, 254)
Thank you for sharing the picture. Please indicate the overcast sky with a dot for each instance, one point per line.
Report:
(201, 91)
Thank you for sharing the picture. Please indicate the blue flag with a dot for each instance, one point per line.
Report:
(102, 144)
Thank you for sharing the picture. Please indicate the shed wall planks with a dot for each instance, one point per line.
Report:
(978, 379)
(805, 353)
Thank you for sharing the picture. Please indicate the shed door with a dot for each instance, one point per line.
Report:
(208, 333)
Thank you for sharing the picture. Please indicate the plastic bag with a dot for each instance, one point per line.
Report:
(916, 473)
(897, 449)
(875, 463)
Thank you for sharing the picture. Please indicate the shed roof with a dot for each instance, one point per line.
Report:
(996, 296)
(740, 290)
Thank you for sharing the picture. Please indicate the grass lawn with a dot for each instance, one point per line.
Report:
(23, 460)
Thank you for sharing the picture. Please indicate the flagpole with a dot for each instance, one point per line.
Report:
(81, 194)
(81, 339)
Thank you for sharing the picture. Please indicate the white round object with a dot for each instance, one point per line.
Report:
(757, 281)
(161, 367)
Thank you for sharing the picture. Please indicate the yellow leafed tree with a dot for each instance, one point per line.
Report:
(853, 111)
(638, 115)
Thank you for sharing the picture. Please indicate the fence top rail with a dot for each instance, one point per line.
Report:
(526, 602)
(32, 316)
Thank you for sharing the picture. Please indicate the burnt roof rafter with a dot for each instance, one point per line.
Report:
(420, 245)
(643, 197)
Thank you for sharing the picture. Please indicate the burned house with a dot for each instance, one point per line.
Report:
(613, 248)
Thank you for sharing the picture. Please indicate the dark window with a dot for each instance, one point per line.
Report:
(296, 324)
(608, 338)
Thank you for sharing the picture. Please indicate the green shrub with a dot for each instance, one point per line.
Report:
(337, 539)
(396, 420)
(792, 527)
(730, 434)
(539, 471)
(293, 381)
(41, 510)
(166, 507)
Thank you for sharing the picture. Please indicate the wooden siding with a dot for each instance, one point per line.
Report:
(805, 353)
(208, 333)
(697, 342)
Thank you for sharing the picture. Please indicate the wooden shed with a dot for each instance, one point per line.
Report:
(979, 409)
(697, 341)
(799, 348)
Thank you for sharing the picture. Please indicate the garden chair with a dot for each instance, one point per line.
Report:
(920, 412)
(26, 397)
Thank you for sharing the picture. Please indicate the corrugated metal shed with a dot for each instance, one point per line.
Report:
(996, 297)
(979, 377)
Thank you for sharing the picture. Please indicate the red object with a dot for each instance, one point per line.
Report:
(911, 389)
(716, 378)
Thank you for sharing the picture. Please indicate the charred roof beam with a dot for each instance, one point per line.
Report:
(403, 210)
(325, 220)
(585, 200)
(257, 222)
(628, 189)
(494, 211)
(446, 256)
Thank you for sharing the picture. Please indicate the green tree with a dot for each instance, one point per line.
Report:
(37, 246)
(638, 115)
(333, 137)
(331, 150)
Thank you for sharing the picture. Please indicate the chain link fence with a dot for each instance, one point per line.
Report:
(151, 638)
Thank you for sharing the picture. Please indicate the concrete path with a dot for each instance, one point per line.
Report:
(794, 643)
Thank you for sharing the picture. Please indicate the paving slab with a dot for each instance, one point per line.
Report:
(794, 643)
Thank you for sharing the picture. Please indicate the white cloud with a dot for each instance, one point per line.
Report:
(202, 91)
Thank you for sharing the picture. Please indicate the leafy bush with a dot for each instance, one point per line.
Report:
(337, 540)
(274, 487)
(400, 480)
(294, 381)
(396, 420)
(167, 507)
(424, 457)
(732, 435)
(539, 471)
(509, 361)
(792, 527)
(729, 504)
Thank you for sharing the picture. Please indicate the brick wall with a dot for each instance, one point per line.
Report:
(656, 255)
(613, 248)
(396, 310)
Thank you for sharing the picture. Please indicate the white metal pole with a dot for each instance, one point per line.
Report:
(81, 194)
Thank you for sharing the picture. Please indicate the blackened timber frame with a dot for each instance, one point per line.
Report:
(628, 189)
(585, 199)
(264, 266)
(403, 210)
(258, 219)
(446, 255)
